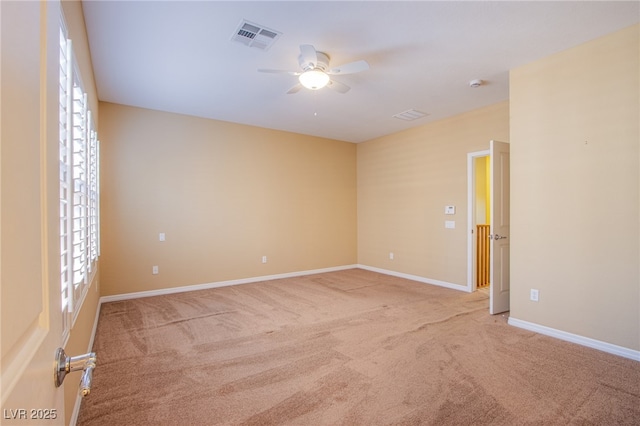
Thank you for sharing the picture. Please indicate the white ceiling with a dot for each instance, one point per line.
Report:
(178, 56)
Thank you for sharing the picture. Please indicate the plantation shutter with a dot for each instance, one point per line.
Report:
(79, 188)
(65, 135)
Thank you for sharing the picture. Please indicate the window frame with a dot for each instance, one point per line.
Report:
(79, 187)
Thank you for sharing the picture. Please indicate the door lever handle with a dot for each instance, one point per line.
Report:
(497, 237)
(66, 364)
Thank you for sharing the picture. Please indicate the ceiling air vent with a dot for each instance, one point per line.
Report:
(410, 115)
(254, 35)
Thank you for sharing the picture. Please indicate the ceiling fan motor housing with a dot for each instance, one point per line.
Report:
(322, 62)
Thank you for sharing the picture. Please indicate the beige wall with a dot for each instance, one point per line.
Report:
(405, 180)
(575, 190)
(224, 194)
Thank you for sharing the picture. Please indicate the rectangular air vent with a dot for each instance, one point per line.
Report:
(410, 115)
(254, 35)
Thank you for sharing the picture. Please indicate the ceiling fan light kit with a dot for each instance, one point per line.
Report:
(314, 79)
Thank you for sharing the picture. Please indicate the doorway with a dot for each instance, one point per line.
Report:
(479, 216)
(490, 205)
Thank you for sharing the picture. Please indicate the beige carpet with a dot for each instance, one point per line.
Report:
(344, 348)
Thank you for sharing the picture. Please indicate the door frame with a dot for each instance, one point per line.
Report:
(471, 201)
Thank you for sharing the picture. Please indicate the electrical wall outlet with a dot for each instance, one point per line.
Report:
(155, 270)
(391, 255)
(534, 295)
(162, 237)
(264, 259)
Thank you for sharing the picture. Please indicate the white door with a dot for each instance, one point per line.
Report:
(30, 303)
(499, 269)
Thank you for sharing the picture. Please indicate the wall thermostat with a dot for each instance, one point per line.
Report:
(449, 209)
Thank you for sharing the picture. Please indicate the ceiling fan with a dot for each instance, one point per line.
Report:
(316, 72)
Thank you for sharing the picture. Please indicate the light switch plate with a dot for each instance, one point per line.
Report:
(450, 224)
(449, 209)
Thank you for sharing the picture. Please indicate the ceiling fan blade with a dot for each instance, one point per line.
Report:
(294, 89)
(308, 56)
(350, 68)
(338, 87)
(270, 71)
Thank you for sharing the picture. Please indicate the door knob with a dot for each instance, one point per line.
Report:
(66, 364)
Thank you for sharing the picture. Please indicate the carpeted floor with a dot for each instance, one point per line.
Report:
(344, 348)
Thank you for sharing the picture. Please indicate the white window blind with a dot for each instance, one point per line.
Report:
(93, 198)
(65, 179)
(79, 167)
(79, 188)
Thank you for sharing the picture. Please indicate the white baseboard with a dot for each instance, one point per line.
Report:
(548, 331)
(575, 338)
(172, 290)
(459, 287)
